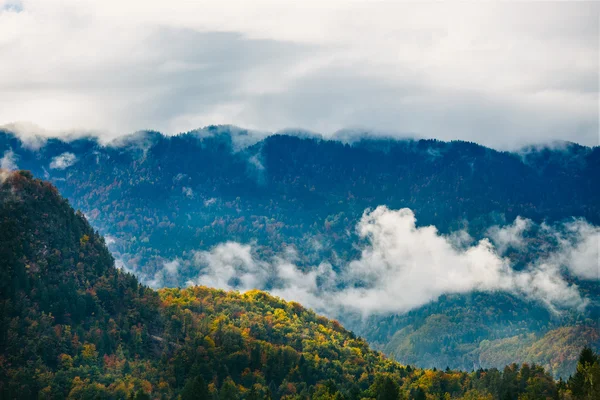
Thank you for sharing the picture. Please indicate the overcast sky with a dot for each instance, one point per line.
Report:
(501, 74)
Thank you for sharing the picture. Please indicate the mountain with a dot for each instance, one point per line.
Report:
(76, 327)
(163, 200)
(73, 326)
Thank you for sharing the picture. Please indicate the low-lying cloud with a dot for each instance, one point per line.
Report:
(510, 236)
(63, 161)
(8, 163)
(579, 245)
(403, 266)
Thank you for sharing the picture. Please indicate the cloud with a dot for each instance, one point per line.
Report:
(256, 163)
(403, 266)
(499, 74)
(232, 265)
(8, 163)
(32, 137)
(240, 138)
(509, 236)
(165, 277)
(579, 249)
(120, 264)
(572, 245)
(11, 5)
(63, 161)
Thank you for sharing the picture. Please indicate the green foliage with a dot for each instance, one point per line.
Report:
(585, 383)
(75, 327)
(457, 335)
(163, 197)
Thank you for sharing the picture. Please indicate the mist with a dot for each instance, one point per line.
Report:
(402, 266)
(8, 163)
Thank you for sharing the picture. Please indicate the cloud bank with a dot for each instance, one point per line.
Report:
(403, 266)
(500, 74)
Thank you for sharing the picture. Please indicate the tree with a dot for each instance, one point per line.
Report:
(419, 394)
(387, 389)
(195, 389)
(229, 390)
(581, 382)
(141, 395)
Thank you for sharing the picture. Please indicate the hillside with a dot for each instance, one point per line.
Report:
(160, 200)
(74, 326)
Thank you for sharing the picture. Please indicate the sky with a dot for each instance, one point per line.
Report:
(500, 74)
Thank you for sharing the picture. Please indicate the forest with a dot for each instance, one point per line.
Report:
(73, 326)
(157, 199)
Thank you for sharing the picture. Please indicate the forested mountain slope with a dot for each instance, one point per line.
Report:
(284, 187)
(162, 199)
(73, 326)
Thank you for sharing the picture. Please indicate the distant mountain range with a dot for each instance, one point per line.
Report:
(165, 202)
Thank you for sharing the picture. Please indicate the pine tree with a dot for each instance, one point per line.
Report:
(229, 390)
(387, 389)
(578, 383)
(195, 389)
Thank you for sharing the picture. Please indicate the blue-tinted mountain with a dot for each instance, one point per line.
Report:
(157, 198)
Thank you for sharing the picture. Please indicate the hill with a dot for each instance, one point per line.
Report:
(76, 327)
(160, 200)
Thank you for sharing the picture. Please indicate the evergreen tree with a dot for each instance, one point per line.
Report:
(195, 389)
(387, 389)
(229, 390)
(579, 383)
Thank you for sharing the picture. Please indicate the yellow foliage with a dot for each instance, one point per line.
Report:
(88, 352)
(84, 239)
(66, 361)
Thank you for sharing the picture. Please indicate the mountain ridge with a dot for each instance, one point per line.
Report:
(166, 198)
(123, 340)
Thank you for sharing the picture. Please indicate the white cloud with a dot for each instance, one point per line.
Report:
(167, 276)
(232, 265)
(8, 163)
(509, 236)
(172, 267)
(63, 161)
(405, 266)
(31, 136)
(571, 245)
(579, 249)
(120, 264)
(401, 267)
(496, 73)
